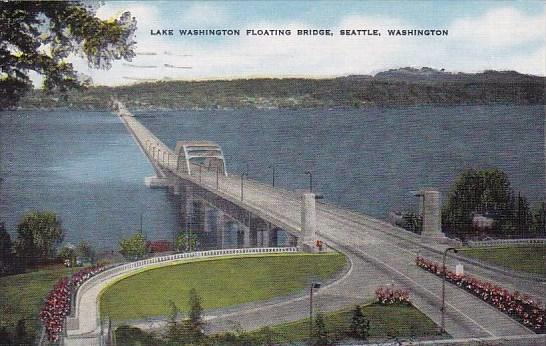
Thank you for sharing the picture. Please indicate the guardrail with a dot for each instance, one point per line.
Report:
(500, 242)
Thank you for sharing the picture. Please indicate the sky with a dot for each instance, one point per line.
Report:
(501, 35)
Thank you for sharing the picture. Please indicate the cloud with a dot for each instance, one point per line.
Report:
(533, 63)
(204, 14)
(503, 39)
(501, 28)
(147, 15)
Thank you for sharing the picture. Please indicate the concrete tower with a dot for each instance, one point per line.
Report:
(430, 209)
(308, 221)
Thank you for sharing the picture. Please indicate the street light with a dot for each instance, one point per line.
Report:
(314, 285)
(443, 309)
(217, 174)
(273, 180)
(141, 215)
(243, 175)
(310, 180)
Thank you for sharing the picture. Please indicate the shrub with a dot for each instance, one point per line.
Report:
(387, 295)
(320, 332)
(360, 326)
(133, 247)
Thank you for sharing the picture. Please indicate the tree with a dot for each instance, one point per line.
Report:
(133, 247)
(484, 191)
(85, 250)
(321, 333)
(189, 331)
(539, 221)
(523, 216)
(6, 251)
(185, 242)
(40, 35)
(196, 311)
(67, 253)
(172, 328)
(360, 327)
(38, 234)
(173, 312)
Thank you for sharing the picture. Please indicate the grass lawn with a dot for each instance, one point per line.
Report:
(386, 321)
(22, 296)
(531, 259)
(219, 282)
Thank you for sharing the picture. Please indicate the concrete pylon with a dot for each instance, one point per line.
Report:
(308, 221)
(176, 186)
(207, 210)
(246, 237)
(431, 212)
(220, 229)
(266, 237)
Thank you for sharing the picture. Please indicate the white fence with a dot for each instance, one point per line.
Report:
(161, 259)
(501, 242)
(208, 253)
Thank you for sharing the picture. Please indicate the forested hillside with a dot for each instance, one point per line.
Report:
(405, 86)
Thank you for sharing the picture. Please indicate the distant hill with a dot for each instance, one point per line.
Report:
(427, 74)
(403, 86)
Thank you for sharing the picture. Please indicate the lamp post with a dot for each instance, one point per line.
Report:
(310, 180)
(217, 174)
(141, 214)
(273, 176)
(242, 185)
(443, 309)
(200, 169)
(314, 285)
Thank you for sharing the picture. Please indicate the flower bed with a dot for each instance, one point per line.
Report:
(57, 302)
(386, 295)
(522, 308)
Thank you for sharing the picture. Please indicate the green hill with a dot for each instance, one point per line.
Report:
(406, 86)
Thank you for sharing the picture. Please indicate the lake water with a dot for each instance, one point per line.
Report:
(87, 168)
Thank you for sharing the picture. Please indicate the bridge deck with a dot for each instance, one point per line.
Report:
(368, 242)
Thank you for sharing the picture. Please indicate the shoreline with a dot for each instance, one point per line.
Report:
(265, 108)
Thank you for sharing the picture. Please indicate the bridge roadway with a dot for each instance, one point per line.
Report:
(380, 253)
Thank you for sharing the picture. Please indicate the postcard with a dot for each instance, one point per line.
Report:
(272, 172)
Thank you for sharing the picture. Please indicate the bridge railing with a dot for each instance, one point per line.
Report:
(153, 146)
(501, 242)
